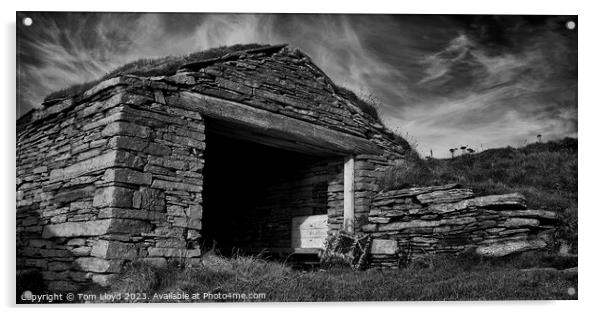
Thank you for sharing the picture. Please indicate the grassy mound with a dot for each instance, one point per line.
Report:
(546, 173)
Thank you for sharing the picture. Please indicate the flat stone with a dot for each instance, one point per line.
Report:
(129, 226)
(409, 192)
(425, 223)
(138, 144)
(509, 247)
(81, 251)
(195, 211)
(152, 199)
(155, 262)
(74, 195)
(125, 129)
(166, 252)
(112, 158)
(519, 222)
(76, 229)
(95, 228)
(531, 213)
(127, 176)
(142, 214)
(98, 265)
(514, 200)
(114, 250)
(447, 196)
(176, 186)
(102, 86)
(171, 243)
(113, 196)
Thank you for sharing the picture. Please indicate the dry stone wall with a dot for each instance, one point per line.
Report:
(67, 175)
(113, 179)
(414, 222)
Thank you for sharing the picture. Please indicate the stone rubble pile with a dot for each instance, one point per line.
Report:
(414, 222)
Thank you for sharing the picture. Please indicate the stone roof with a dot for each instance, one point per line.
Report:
(273, 78)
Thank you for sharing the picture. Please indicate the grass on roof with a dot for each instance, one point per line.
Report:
(367, 106)
(169, 65)
(146, 67)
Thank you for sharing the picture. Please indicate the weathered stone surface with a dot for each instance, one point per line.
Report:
(125, 129)
(446, 196)
(508, 201)
(166, 252)
(152, 199)
(157, 262)
(138, 144)
(74, 195)
(384, 246)
(142, 214)
(519, 222)
(506, 248)
(99, 265)
(110, 159)
(105, 84)
(127, 176)
(114, 250)
(114, 196)
(81, 251)
(414, 191)
(530, 213)
(423, 223)
(168, 185)
(75, 229)
(95, 228)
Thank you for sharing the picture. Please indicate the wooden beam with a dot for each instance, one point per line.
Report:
(349, 195)
(305, 134)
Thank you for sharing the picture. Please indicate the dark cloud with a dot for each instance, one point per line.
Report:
(445, 80)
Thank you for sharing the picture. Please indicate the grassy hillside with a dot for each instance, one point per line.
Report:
(546, 173)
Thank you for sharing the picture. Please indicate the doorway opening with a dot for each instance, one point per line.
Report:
(260, 197)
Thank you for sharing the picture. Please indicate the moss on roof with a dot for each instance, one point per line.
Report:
(164, 66)
(167, 66)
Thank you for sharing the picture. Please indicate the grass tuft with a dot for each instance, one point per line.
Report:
(367, 105)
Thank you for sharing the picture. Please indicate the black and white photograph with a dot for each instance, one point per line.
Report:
(234, 157)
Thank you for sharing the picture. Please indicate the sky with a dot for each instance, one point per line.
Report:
(440, 81)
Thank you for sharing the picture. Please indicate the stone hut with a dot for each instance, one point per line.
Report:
(256, 149)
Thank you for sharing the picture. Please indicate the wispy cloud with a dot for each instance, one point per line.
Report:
(438, 79)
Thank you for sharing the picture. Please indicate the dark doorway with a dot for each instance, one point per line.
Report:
(252, 191)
